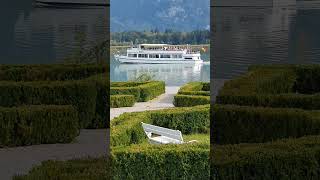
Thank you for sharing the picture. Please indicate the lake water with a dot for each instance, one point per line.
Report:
(172, 74)
(46, 35)
(271, 35)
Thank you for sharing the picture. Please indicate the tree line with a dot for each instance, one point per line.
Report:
(154, 36)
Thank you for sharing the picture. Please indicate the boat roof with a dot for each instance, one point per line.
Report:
(153, 44)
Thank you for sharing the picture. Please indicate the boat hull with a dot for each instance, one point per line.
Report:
(126, 60)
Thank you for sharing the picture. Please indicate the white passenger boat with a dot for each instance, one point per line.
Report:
(160, 54)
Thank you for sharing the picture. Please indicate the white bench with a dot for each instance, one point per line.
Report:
(161, 135)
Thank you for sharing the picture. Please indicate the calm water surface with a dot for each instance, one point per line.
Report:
(172, 74)
(277, 35)
(46, 35)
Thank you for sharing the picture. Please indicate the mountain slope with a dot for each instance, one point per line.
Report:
(181, 15)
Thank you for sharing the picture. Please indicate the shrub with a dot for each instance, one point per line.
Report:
(100, 120)
(188, 161)
(143, 91)
(271, 86)
(80, 169)
(283, 159)
(187, 120)
(28, 125)
(193, 94)
(82, 94)
(122, 101)
(243, 124)
(187, 100)
(126, 129)
(133, 158)
(52, 72)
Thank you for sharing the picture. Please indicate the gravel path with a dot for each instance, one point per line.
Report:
(162, 102)
(19, 160)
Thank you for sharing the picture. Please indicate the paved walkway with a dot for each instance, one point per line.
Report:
(162, 102)
(19, 160)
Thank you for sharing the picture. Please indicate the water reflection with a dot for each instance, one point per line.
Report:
(277, 35)
(172, 74)
(45, 35)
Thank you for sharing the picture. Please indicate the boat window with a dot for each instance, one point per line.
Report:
(174, 56)
(187, 58)
(153, 55)
(143, 55)
(179, 56)
(165, 56)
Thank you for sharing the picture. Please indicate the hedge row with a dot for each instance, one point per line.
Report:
(188, 101)
(143, 91)
(50, 72)
(242, 124)
(274, 86)
(28, 125)
(90, 98)
(188, 161)
(79, 169)
(292, 159)
(126, 129)
(117, 101)
(193, 94)
(133, 158)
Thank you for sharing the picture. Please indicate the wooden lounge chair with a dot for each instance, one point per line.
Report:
(161, 135)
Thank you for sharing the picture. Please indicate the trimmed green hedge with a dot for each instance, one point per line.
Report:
(28, 125)
(288, 96)
(143, 91)
(242, 124)
(85, 95)
(188, 101)
(188, 161)
(50, 72)
(126, 129)
(274, 86)
(193, 94)
(133, 158)
(78, 169)
(293, 159)
(187, 120)
(122, 101)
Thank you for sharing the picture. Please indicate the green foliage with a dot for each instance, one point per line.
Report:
(143, 91)
(133, 158)
(308, 81)
(52, 72)
(242, 124)
(79, 169)
(126, 129)
(167, 37)
(195, 120)
(122, 101)
(288, 96)
(190, 100)
(88, 97)
(273, 86)
(28, 125)
(188, 161)
(193, 94)
(293, 159)
(81, 94)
